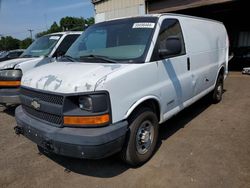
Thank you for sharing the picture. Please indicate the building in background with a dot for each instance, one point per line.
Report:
(233, 13)
(110, 9)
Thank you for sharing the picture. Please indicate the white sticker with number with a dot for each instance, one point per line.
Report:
(54, 37)
(144, 25)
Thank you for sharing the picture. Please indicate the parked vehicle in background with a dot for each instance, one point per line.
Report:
(2, 52)
(12, 54)
(42, 51)
(246, 70)
(124, 78)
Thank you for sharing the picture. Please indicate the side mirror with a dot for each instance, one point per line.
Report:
(172, 47)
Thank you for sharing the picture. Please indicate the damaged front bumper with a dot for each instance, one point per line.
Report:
(89, 143)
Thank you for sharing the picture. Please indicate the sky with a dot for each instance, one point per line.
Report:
(17, 16)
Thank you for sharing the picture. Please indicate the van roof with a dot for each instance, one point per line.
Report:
(169, 14)
(66, 33)
(189, 16)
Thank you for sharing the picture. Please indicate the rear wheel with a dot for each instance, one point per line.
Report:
(218, 90)
(142, 138)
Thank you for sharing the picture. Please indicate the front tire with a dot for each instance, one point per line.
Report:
(142, 138)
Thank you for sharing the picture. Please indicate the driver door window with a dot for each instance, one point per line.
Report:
(169, 28)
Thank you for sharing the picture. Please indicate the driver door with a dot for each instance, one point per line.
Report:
(174, 70)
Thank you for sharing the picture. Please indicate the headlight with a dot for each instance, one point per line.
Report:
(10, 75)
(92, 109)
(85, 103)
(10, 78)
(93, 103)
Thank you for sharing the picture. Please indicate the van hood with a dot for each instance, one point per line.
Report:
(68, 77)
(10, 64)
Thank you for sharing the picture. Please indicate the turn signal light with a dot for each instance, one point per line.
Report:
(10, 83)
(86, 120)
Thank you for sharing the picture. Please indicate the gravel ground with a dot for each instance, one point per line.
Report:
(204, 146)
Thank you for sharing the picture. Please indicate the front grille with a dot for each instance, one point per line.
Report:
(51, 118)
(47, 101)
(50, 98)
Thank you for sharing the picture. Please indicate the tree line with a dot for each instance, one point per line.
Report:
(65, 24)
(10, 43)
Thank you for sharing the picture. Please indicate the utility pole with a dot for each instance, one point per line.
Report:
(31, 30)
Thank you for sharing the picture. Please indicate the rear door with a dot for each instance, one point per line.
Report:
(174, 72)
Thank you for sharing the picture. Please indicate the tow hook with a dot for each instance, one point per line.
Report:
(18, 130)
(48, 145)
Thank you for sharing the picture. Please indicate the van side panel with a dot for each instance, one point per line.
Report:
(207, 46)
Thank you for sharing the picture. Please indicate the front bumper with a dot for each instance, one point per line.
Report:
(89, 143)
(9, 95)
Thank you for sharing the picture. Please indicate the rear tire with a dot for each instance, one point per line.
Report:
(141, 139)
(218, 90)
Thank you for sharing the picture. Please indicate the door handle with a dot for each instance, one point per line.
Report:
(188, 64)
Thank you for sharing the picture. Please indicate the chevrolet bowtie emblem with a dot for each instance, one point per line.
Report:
(36, 105)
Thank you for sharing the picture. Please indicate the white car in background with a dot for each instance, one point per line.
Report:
(246, 70)
(40, 52)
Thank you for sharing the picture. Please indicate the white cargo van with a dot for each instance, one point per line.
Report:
(126, 77)
(40, 52)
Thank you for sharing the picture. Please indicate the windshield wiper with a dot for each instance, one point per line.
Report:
(92, 56)
(68, 58)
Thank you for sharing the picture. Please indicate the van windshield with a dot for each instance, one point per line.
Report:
(42, 46)
(125, 40)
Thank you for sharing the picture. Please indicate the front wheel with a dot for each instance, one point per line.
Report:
(218, 90)
(142, 138)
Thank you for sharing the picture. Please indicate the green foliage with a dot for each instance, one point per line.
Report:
(25, 43)
(72, 23)
(68, 23)
(54, 28)
(9, 43)
(90, 21)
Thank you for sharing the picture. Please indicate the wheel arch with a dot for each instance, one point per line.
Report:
(149, 101)
(221, 71)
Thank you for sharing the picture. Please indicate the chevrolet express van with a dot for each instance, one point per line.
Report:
(124, 78)
(40, 52)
